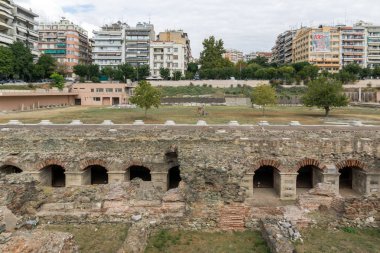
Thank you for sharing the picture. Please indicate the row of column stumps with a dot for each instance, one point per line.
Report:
(232, 123)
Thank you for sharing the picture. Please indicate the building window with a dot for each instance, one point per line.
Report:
(92, 90)
(109, 90)
(97, 99)
(99, 90)
(118, 90)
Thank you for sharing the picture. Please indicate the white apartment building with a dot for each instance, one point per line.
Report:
(108, 45)
(233, 55)
(119, 43)
(353, 46)
(18, 24)
(250, 56)
(169, 55)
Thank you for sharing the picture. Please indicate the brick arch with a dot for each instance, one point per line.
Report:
(93, 162)
(351, 163)
(10, 163)
(136, 163)
(266, 162)
(309, 162)
(49, 162)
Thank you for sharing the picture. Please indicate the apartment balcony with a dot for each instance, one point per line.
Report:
(4, 12)
(106, 57)
(5, 39)
(106, 51)
(5, 25)
(108, 38)
(6, 5)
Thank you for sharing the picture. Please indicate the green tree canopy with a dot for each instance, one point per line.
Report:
(6, 62)
(143, 72)
(81, 70)
(58, 81)
(165, 73)
(47, 64)
(212, 54)
(109, 72)
(146, 96)
(264, 95)
(325, 93)
(177, 75)
(127, 71)
(23, 60)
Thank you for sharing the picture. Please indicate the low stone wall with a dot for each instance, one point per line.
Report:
(277, 241)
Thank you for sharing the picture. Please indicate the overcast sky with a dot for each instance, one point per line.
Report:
(246, 25)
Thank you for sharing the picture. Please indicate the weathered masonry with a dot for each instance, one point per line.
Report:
(235, 163)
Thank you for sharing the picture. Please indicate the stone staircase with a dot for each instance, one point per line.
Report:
(232, 218)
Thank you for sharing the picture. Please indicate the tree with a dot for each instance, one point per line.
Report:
(6, 62)
(177, 75)
(325, 93)
(264, 95)
(62, 69)
(146, 96)
(211, 56)
(23, 60)
(81, 70)
(93, 71)
(109, 72)
(165, 73)
(192, 67)
(127, 71)
(58, 81)
(47, 64)
(260, 60)
(143, 72)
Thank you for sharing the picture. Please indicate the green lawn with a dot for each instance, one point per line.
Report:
(204, 242)
(188, 115)
(101, 238)
(347, 240)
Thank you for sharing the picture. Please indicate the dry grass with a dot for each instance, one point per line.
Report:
(99, 238)
(188, 115)
(204, 242)
(347, 240)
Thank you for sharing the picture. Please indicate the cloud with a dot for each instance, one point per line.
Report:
(246, 25)
(78, 8)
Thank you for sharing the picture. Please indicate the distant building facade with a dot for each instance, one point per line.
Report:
(318, 46)
(282, 52)
(168, 55)
(233, 55)
(250, 56)
(102, 93)
(65, 41)
(18, 24)
(120, 43)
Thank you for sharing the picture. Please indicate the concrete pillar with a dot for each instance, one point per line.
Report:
(360, 94)
(286, 187)
(116, 176)
(73, 178)
(247, 183)
(331, 176)
(160, 180)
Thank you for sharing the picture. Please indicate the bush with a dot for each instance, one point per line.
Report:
(82, 79)
(350, 230)
(95, 79)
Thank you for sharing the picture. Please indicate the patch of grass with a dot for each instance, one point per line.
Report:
(317, 240)
(100, 238)
(189, 115)
(170, 241)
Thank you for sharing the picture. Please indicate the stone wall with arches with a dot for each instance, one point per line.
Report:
(214, 161)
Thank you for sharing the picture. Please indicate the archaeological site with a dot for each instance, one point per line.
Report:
(184, 177)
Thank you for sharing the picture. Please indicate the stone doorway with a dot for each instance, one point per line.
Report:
(352, 181)
(305, 177)
(9, 169)
(96, 174)
(139, 172)
(264, 177)
(53, 175)
(174, 177)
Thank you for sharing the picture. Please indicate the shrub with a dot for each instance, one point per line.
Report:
(95, 79)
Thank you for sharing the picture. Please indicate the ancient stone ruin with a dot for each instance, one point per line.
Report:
(187, 177)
